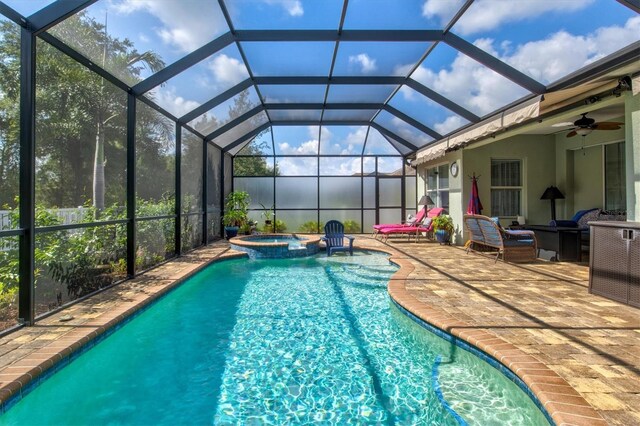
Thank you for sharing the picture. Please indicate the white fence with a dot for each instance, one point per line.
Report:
(68, 216)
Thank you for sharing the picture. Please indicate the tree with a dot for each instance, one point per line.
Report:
(81, 120)
(256, 163)
(9, 112)
(121, 56)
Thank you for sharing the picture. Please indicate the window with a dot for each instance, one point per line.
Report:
(438, 185)
(506, 188)
(615, 197)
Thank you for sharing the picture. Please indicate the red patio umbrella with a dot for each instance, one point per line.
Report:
(475, 206)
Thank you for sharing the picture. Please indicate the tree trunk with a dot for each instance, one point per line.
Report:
(98, 170)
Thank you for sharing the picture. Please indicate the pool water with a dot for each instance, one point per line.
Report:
(285, 341)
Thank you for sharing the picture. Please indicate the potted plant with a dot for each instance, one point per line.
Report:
(267, 213)
(443, 227)
(236, 208)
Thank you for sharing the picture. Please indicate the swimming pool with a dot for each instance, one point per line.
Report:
(287, 341)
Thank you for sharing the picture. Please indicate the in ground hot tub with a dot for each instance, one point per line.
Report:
(276, 246)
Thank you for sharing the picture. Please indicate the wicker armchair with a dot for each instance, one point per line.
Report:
(514, 246)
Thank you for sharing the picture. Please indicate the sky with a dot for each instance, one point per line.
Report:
(544, 39)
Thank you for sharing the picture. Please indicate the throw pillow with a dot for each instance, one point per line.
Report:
(589, 216)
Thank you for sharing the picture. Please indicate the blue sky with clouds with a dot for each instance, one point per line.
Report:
(545, 39)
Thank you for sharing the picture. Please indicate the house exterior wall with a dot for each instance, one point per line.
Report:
(538, 161)
(538, 158)
(588, 179)
(579, 173)
(632, 136)
(457, 203)
(548, 160)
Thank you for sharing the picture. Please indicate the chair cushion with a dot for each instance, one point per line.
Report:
(519, 235)
(508, 242)
(496, 220)
(564, 223)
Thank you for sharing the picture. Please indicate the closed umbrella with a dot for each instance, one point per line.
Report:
(475, 206)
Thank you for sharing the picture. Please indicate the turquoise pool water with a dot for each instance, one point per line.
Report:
(286, 341)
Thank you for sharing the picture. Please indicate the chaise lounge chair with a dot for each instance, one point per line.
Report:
(514, 246)
(425, 227)
(335, 239)
(415, 221)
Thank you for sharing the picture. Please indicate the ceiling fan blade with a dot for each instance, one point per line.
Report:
(563, 124)
(571, 134)
(606, 126)
(610, 122)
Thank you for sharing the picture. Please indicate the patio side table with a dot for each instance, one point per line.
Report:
(564, 241)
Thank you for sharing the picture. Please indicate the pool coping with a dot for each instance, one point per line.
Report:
(239, 241)
(562, 403)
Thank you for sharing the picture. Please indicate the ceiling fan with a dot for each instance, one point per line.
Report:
(585, 125)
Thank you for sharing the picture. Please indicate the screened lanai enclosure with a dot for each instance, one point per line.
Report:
(124, 123)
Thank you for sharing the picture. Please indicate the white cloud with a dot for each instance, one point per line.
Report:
(342, 167)
(326, 135)
(292, 7)
(377, 144)
(355, 140)
(562, 53)
(486, 15)
(292, 166)
(443, 10)
(366, 63)
(313, 132)
(350, 145)
(169, 100)
(547, 60)
(469, 84)
(309, 147)
(369, 163)
(227, 71)
(408, 132)
(451, 123)
(299, 166)
(185, 28)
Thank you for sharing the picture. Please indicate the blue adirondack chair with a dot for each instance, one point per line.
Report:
(334, 238)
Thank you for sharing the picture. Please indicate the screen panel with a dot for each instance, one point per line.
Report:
(340, 192)
(260, 190)
(351, 219)
(296, 193)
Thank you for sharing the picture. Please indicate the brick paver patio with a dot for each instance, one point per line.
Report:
(538, 319)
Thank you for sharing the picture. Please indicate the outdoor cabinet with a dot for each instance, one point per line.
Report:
(614, 264)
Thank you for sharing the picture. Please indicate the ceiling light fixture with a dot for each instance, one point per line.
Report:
(584, 131)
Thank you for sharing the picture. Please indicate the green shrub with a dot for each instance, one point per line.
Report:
(83, 260)
(280, 226)
(351, 226)
(311, 227)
